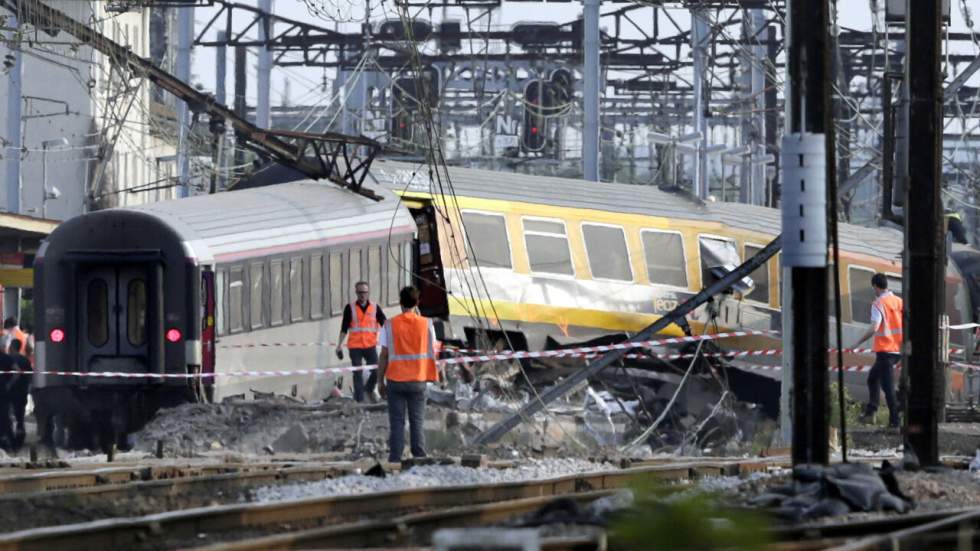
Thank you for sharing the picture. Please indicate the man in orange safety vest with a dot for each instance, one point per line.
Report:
(886, 327)
(407, 364)
(362, 321)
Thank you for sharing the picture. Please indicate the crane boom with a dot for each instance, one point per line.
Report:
(343, 159)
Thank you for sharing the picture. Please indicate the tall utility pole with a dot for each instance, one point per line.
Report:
(924, 237)
(185, 39)
(241, 88)
(220, 96)
(887, 148)
(262, 81)
(590, 90)
(806, 172)
(772, 116)
(699, 45)
(13, 145)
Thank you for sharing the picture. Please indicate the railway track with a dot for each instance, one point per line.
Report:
(481, 503)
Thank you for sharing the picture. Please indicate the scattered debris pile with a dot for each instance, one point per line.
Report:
(268, 426)
(820, 491)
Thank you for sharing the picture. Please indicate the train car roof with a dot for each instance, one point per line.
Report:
(259, 221)
(624, 198)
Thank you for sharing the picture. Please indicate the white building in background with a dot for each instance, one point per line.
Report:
(75, 104)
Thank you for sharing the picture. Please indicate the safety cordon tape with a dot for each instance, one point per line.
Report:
(501, 355)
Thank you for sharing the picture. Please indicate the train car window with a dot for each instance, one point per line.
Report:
(316, 286)
(296, 289)
(136, 312)
(395, 269)
(895, 285)
(718, 257)
(408, 269)
(547, 247)
(236, 294)
(374, 273)
(276, 289)
(222, 300)
(487, 239)
(606, 248)
(760, 276)
(355, 273)
(862, 295)
(256, 287)
(97, 312)
(336, 284)
(664, 253)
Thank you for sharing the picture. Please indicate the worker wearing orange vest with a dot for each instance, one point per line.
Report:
(362, 321)
(886, 327)
(407, 364)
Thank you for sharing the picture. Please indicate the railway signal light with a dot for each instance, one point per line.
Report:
(57, 335)
(533, 135)
(173, 335)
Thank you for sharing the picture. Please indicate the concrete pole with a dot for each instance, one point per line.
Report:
(185, 38)
(221, 69)
(12, 153)
(262, 81)
(758, 170)
(925, 243)
(699, 45)
(590, 90)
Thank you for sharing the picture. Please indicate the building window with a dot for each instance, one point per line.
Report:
(316, 286)
(296, 289)
(606, 248)
(276, 289)
(487, 240)
(862, 295)
(97, 312)
(759, 276)
(255, 273)
(236, 292)
(664, 253)
(547, 247)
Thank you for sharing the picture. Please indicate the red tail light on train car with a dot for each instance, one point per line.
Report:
(173, 334)
(57, 335)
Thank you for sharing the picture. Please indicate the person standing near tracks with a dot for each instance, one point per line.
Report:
(363, 320)
(886, 327)
(406, 366)
(20, 387)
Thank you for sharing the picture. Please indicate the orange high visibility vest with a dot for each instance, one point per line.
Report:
(411, 349)
(22, 337)
(363, 326)
(888, 335)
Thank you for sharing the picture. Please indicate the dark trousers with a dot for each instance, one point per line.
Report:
(18, 400)
(402, 396)
(881, 378)
(363, 356)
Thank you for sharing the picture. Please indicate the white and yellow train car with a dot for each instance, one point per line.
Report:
(574, 260)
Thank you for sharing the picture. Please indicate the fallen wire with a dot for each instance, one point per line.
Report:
(663, 415)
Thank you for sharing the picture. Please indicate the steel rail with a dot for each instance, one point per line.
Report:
(126, 533)
(411, 529)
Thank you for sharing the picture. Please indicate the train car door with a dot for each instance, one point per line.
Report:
(207, 331)
(427, 265)
(112, 313)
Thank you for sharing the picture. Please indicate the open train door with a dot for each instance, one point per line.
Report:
(427, 269)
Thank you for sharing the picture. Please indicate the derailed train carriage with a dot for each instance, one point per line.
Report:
(257, 279)
(190, 286)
